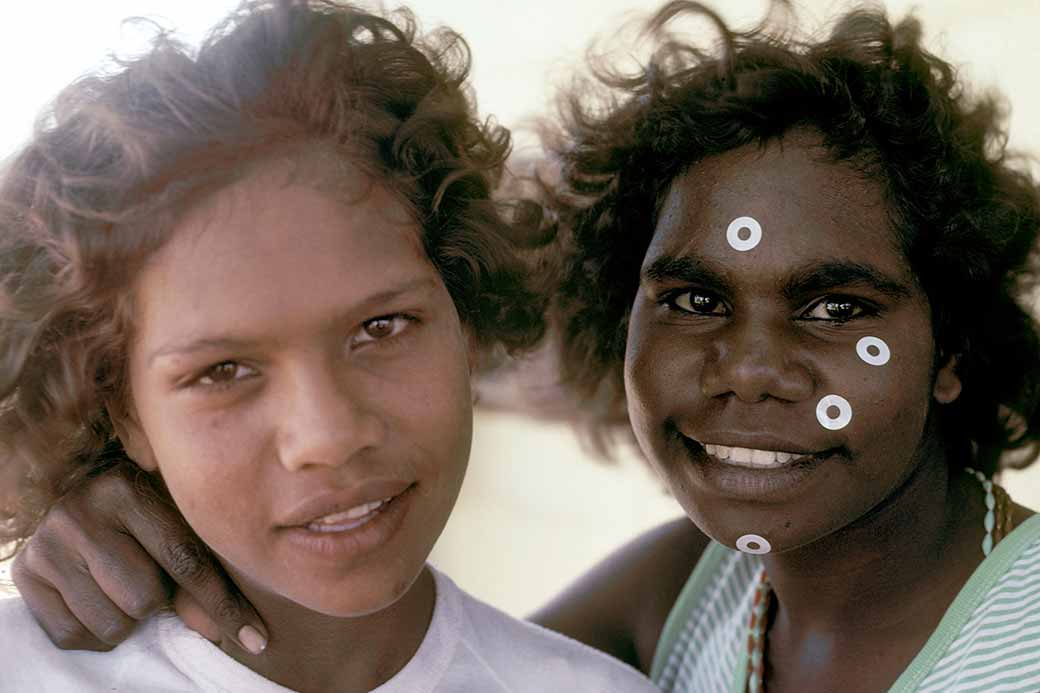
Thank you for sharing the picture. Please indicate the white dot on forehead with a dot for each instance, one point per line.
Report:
(834, 412)
(753, 544)
(744, 233)
(873, 350)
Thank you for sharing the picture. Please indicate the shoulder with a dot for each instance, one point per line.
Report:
(990, 635)
(620, 605)
(26, 646)
(529, 657)
(30, 661)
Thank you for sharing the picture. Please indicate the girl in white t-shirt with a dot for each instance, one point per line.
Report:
(265, 271)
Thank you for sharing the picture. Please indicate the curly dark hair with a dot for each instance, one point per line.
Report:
(965, 214)
(124, 151)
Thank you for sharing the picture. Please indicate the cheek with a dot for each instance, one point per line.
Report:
(889, 401)
(658, 374)
(210, 464)
(433, 406)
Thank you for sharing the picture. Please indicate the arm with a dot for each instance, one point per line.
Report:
(620, 606)
(108, 555)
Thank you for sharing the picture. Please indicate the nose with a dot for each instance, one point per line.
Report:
(327, 420)
(755, 362)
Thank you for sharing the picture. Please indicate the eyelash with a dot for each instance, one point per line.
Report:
(407, 321)
(863, 308)
(223, 384)
(672, 301)
(368, 341)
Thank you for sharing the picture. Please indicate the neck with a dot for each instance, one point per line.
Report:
(890, 574)
(309, 651)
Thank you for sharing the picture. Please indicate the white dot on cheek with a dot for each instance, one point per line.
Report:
(873, 350)
(834, 412)
(753, 544)
(744, 233)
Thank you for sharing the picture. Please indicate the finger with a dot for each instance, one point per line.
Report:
(50, 611)
(129, 577)
(71, 589)
(161, 530)
(193, 615)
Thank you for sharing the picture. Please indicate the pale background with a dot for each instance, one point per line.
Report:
(535, 510)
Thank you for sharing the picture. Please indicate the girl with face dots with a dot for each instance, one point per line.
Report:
(748, 379)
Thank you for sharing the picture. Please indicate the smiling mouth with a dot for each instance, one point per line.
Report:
(752, 458)
(349, 519)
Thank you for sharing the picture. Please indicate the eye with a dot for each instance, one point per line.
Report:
(696, 302)
(381, 329)
(836, 309)
(224, 374)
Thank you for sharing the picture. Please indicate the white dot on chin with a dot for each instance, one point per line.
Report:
(753, 544)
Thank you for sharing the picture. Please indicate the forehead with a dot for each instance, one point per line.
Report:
(267, 256)
(810, 209)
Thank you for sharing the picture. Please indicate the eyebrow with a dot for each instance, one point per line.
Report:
(829, 274)
(814, 278)
(685, 269)
(219, 342)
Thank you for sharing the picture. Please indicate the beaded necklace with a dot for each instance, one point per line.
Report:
(997, 524)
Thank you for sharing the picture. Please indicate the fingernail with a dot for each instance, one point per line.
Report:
(252, 640)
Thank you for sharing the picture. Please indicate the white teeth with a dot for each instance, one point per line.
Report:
(748, 457)
(347, 519)
(763, 457)
(741, 455)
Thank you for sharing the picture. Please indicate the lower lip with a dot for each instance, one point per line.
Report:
(357, 541)
(761, 484)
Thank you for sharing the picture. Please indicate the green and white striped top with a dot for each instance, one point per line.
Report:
(988, 641)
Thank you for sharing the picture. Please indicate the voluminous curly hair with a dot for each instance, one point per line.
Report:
(965, 216)
(125, 151)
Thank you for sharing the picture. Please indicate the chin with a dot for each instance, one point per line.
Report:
(353, 598)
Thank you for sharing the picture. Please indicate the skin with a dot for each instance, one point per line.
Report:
(873, 536)
(871, 543)
(290, 346)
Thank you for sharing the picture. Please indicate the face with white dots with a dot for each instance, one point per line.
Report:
(780, 369)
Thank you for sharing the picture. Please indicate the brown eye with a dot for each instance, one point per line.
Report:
(381, 328)
(840, 310)
(697, 303)
(224, 373)
(835, 310)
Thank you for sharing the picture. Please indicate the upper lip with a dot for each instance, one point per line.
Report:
(755, 441)
(330, 502)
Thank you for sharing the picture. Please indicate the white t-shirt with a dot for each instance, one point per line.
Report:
(470, 646)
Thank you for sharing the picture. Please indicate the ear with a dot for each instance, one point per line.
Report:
(134, 440)
(947, 385)
(473, 351)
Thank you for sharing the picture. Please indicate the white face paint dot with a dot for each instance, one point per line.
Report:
(753, 544)
(873, 350)
(834, 412)
(743, 233)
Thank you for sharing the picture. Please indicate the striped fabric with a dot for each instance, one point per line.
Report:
(988, 641)
(708, 647)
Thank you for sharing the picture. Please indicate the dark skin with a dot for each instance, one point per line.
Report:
(869, 547)
(872, 534)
